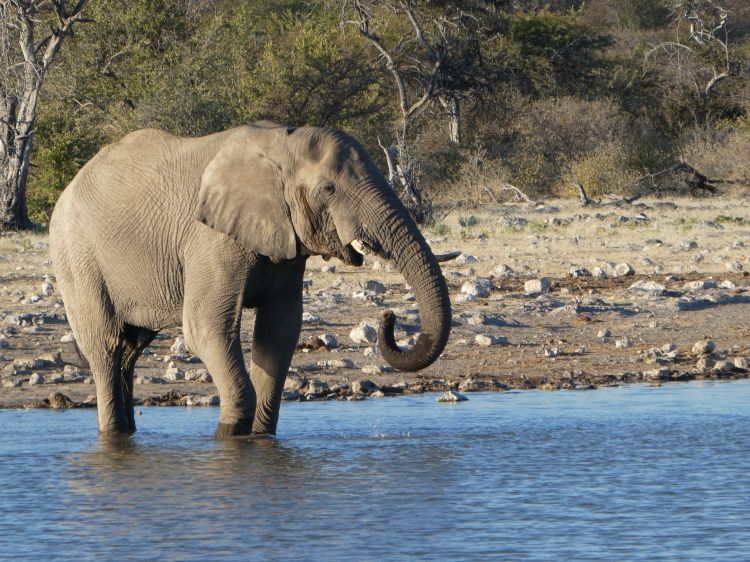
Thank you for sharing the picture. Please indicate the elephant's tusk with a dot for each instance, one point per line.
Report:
(448, 257)
(360, 247)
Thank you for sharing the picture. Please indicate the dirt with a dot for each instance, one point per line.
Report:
(553, 339)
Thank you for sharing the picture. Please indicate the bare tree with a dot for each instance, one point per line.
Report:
(433, 55)
(699, 54)
(25, 59)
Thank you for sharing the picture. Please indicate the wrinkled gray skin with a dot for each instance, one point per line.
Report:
(158, 231)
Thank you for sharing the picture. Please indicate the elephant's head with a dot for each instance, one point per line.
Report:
(282, 192)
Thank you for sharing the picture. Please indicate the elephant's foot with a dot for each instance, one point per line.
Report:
(241, 428)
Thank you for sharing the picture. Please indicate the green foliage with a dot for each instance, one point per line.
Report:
(468, 222)
(551, 92)
(440, 229)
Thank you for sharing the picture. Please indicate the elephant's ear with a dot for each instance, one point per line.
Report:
(241, 195)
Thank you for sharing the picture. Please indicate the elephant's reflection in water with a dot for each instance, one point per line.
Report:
(201, 471)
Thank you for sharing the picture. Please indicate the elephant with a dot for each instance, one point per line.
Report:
(158, 231)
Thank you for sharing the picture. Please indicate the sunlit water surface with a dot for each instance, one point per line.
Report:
(629, 473)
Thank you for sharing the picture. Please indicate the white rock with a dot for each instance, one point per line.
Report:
(486, 340)
(364, 333)
(742, 363)
(603, 333)
(329, 340)
(662, 374)
(179, 346)
(309, 317)
(409, 297)
(36, 378)
(47, 289)
(552, 351)
(374, 369)
(704, 363)
(650, 287)
(68, 338)
(579, 272)
(502, 270)
(212, 400)
(329, 268)
(703, 347)
(599, 273)
(368, 351)
(624, 343)
(465, 259)
(535, 286)
(700, 285)
(336, 364)
(174, 374)
(477, 287)
(623, 269)
(727, 284)
(363, 386)
(452, 396)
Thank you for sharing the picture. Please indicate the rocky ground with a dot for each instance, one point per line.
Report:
(557, 296)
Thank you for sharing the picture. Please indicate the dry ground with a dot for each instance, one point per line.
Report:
(553, 339)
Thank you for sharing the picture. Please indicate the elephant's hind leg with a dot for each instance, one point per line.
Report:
(135, 341)
(102, 342)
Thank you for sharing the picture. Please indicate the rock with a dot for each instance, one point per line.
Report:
(734, 266)
(290, 395)
(329, 340)
(686, 246)
(174, 374)
(705, 363)
(374, 369)
(650, 287)
(336, 364)
(579, 272)
(377, 394)
(623, 270)
(599, 273)
(727, 284)
(486, 340)
(198, 375)
(11, 383)
(536, 286)
(51, 359)
(700, 285)
(36, 378)
(363, 386)
(4, 343)
(452, 396)
(624, 343)
(552, 351)
(375, 287)
(724, 366)
(742, 363)
(58, 401)
(409, 297)
(309, 317)
(470, 385)
(465, 259)
(294, 382)
(364, 333)
(316, 388)
(476, 319)
(329, 268)
(47, 289)
(657, 375)
(501, 270)
(703, 347)
(179, 347)
(57, 378)
(68, 338)
(368, 351)
(477, 287)
(603, 334)
(27, 364)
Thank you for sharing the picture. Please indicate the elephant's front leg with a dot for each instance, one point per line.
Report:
(277, 329)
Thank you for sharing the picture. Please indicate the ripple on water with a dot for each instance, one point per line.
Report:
(628, 473)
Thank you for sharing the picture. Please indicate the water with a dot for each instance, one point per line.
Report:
(628, 473)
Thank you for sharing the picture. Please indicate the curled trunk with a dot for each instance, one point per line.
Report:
(401, 240)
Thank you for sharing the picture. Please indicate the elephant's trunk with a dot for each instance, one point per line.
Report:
(400, 239)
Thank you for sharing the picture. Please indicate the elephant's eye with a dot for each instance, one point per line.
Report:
(328, 188)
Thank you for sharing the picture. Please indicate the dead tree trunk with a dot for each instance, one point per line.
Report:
(25, 62)
(452, 106)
